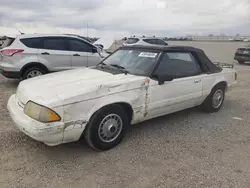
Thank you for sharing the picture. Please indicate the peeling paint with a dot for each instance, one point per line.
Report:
(74, 123)
(147, 99)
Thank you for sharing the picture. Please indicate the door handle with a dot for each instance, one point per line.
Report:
(45, 53)
(197, 81)
(76, 55)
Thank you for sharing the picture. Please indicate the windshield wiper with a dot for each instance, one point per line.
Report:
(117, 66)
(102, 63)
(120, 68)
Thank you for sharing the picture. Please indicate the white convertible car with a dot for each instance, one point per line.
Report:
(132, 85)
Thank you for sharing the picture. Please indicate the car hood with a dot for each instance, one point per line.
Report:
(67, 87)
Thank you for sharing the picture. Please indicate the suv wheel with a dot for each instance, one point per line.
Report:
(241, 62)
(106, 128)
(33, 72)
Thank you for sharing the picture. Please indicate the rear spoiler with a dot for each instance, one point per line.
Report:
(223, 65)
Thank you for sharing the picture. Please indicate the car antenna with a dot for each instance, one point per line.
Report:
(20, 32)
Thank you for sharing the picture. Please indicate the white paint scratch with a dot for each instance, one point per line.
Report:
(237, 118)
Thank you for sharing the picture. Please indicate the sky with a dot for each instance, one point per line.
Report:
(119, 18)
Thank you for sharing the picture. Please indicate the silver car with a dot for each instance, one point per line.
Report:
(147, 41)
(28, 56)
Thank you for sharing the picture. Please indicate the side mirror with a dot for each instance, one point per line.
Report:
(163, 78)
(99, 46)
(94, 50)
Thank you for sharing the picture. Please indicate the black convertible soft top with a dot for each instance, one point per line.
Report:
(205, 63)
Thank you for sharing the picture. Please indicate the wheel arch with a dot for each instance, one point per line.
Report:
(217, 83)
(33, 64)
(125, 105)
(221, 83)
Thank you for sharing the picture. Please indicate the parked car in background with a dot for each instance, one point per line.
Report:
(28, 56)
(2, 39)
(89, 39)
(179, 39)
(242, 54)
(99, 46)
(133, 84)
(1, 42)
(144, 41)
(105, 43)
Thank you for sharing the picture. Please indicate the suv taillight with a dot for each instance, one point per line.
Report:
(10, 52)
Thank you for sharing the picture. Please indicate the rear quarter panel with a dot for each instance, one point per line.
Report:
(210, 80)
(19, 60)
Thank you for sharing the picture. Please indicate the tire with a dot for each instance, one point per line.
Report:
(209, 105)
(27, 73)
(241, 62)
(95, 134)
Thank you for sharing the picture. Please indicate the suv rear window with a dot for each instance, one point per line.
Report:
(150, 41)
(32, 42)
(132, 40)
(155, 41)
(160, 42)
(8, 41)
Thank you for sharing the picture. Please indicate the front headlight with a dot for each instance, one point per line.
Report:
(40, 113)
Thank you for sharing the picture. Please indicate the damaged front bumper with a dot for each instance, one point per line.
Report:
(49, 133)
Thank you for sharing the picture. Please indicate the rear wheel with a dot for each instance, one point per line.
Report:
(241, 62)
(106, 127)
(215, 100)
(33, 72)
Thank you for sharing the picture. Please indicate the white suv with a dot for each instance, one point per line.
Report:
(147, 41)
(28, 56)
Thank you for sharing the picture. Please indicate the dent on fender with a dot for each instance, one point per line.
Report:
(138, 98)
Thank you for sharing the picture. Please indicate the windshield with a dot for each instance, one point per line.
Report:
(138, 62)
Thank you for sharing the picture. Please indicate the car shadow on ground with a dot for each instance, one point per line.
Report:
(9, 83)
(247, 63)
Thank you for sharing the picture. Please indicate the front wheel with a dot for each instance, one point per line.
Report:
(106, 127)
(241, 62)
(215, 100)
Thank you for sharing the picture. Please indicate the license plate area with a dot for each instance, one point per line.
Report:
(245, 52)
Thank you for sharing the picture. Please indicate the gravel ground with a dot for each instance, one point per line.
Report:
(185, 149)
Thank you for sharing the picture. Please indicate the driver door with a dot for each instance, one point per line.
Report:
(185, 91)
